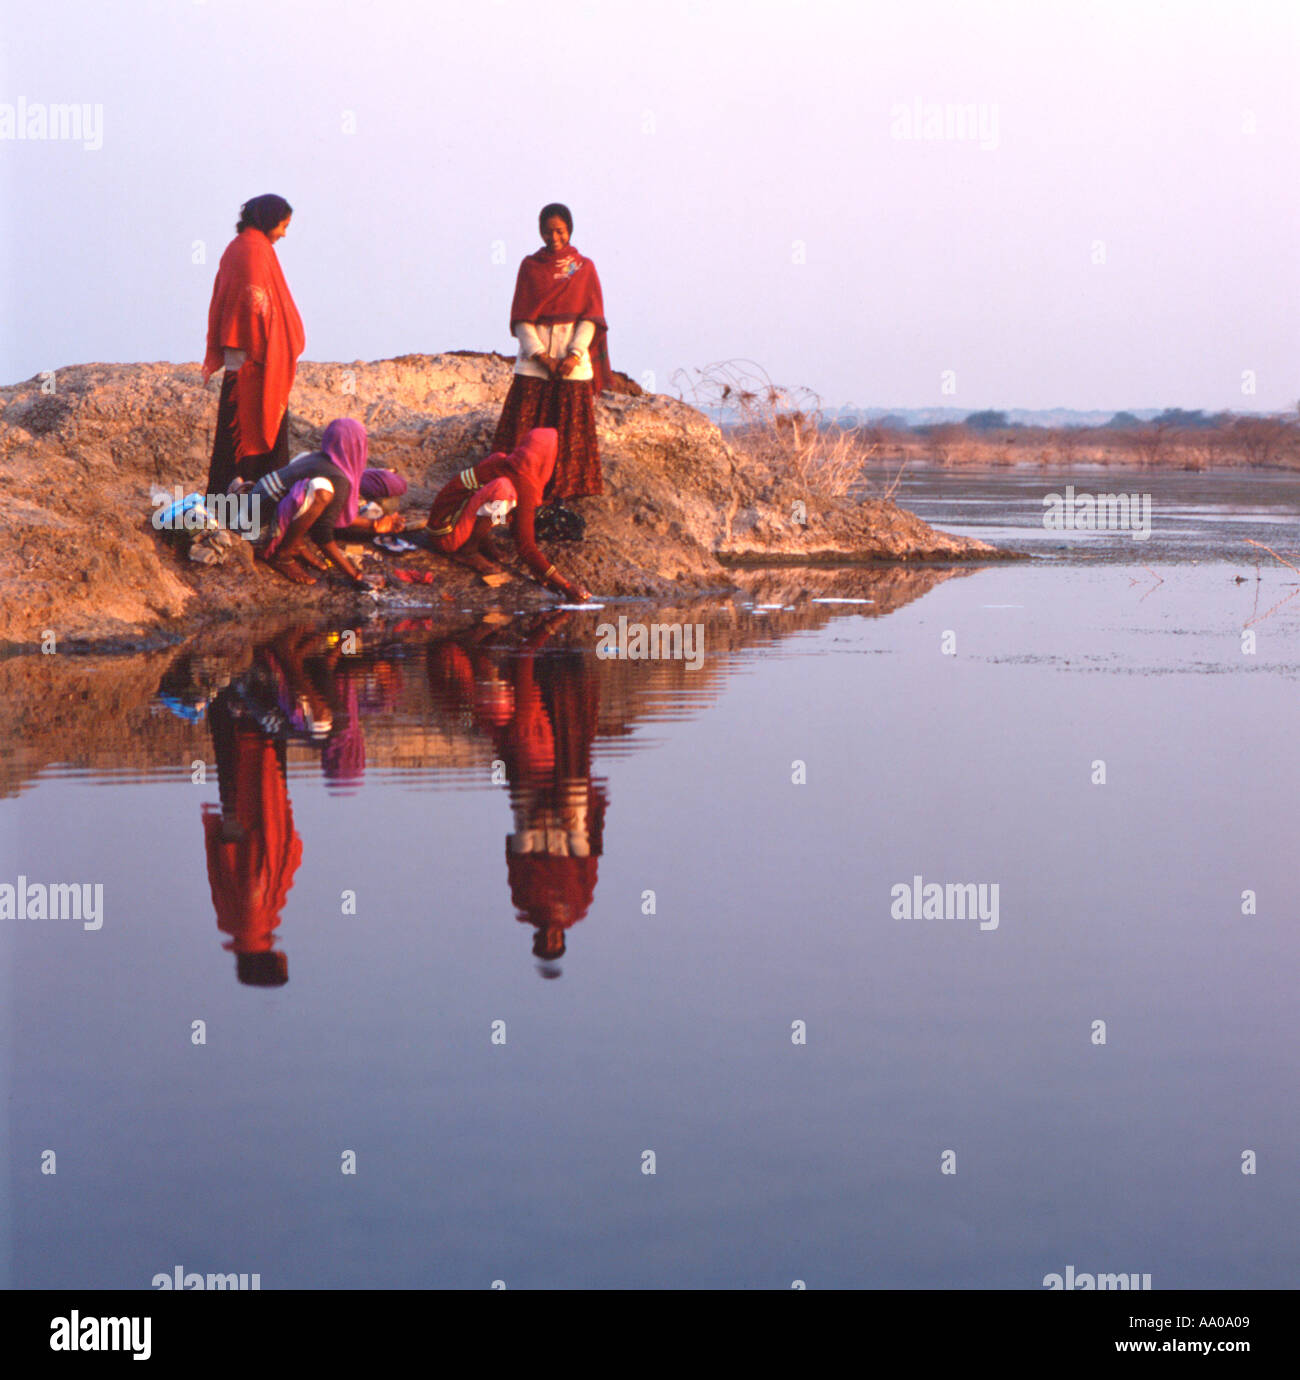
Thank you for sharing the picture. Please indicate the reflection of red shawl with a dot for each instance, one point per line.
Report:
(251, 877)
(527, 742)
(528, 467)
(549, 892)
(547, 748)
(253, 311)
(560, 285)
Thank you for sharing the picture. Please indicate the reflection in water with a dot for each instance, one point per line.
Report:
(537, 706)
(527, 694)
(781, 1162)
(540, 713)
(253, 849)
(300, 688)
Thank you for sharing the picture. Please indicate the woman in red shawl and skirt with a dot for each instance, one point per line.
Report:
(255, 334)
(558, 318)
(503, 491)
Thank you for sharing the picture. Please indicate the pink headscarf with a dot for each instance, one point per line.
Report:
(345, 443)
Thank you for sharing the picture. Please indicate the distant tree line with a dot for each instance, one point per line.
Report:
(1185, 438)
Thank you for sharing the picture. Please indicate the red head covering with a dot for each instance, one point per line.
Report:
(560, 285)
(532, 462)
(252, 310)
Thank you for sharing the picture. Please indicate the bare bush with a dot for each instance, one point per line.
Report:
(785, 429)
(1151, 441)
(1066, 441)
(1262, 440)
(946, 442)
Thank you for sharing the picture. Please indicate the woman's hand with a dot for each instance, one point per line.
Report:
(572, 590)
(548, 362)
(390, 522)
(567, 365)
(331, 549)
(312, 557)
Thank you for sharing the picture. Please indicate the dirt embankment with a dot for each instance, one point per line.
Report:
(82, 451)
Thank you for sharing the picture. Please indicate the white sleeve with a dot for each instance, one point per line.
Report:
(530, 343)
(583, 335)
(235, 358)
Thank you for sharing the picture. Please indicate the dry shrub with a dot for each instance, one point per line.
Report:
(785, 429)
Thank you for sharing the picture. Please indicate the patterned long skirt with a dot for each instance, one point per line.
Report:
(569, 408)
(225, 466)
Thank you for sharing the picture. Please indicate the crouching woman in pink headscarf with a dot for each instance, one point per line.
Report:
(311, 497)
(502, 492)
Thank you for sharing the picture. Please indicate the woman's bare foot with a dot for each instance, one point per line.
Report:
(479, 564)
(291, 570)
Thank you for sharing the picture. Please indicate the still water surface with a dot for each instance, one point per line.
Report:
(497, 805)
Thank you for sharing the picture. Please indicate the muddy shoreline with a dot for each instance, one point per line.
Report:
(84, 451)
(463, 600)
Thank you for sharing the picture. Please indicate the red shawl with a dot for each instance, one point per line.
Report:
(251, 877)
(528, 467)
(252, 310)
(560, 285)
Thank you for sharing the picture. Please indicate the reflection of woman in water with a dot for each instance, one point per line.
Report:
(300, 688)
(540, 710)
(360, 684)
(320, 698)
(252, 846)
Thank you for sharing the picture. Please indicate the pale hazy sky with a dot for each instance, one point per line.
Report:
(1123, 234)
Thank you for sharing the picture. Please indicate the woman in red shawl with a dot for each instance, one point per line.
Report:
(558, 318)
(501, 491)
(255, 333)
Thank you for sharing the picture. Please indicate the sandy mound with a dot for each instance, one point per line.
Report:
(80, 454)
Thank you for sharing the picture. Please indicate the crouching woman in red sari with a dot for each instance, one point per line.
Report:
(504, 491)
(256, 335)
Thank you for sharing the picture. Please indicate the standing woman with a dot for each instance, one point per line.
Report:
(558, 318)
(255, 333)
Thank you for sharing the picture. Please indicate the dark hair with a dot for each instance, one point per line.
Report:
(269, 969)
(556, 208)
(263, 213)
